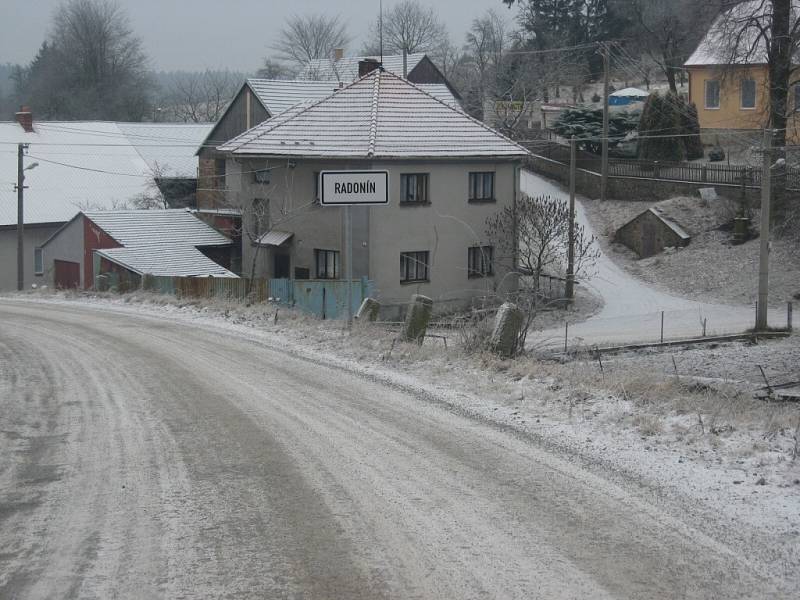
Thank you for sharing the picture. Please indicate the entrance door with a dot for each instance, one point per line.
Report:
(281, 265)
(67, 274)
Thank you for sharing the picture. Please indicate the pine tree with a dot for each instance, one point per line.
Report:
(659, 127)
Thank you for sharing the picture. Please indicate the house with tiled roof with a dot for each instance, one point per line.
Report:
(447, 174)
(729, 74)
(133, 243)
(257, 101)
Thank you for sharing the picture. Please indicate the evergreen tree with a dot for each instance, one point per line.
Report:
(659, 127)
(690, 124)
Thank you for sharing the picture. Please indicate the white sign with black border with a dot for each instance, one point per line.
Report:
(353, 188)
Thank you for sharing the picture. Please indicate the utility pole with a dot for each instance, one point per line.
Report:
(20, 217)
(763, 257)
(569, 290)
(348, 264)
(606, 75)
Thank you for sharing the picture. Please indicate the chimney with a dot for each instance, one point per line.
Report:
(367, 66)
(405, 63)
(338, 54)
(25, 119)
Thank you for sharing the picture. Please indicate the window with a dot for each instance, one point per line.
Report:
(38, 261)
(219, 173)
(481, 187)
(748, 94)
(413, 266)
(480, 261)
(712, 93)
(327, 264)
(414, 188)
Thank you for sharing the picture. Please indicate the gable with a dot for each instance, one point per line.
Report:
(244, 111)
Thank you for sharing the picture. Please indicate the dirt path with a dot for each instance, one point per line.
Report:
(143, 458)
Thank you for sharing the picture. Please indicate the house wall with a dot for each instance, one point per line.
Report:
(446, 227)
(67, 245)
(35, 236)
(94, 238)
(730, 115)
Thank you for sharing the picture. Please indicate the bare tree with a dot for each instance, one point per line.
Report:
(274, 69)
(486, 42)
(408, 26)
(305, 38)
(201, 97)
(92, 66)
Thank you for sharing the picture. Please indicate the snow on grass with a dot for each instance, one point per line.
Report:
(680, 423)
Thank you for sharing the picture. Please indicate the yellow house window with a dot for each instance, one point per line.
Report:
(712, 93)
(748, 94)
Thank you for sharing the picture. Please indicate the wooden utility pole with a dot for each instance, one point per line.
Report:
(763, 257)
(20, 218)
(606, 75)
(569, 290)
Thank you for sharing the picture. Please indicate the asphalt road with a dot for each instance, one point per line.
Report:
(141, 458)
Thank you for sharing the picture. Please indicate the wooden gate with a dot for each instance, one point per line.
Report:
(67, 274)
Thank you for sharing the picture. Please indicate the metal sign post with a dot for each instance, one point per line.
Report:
(352, 188)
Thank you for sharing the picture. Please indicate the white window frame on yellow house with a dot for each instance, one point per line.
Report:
(741, 94)
(705, 94)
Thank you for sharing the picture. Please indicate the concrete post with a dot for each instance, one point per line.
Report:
(417, 318)
(507, 325)
(368, 310)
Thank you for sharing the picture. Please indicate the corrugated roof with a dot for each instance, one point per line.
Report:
(346, 69)
(89, 165)
(161, 242)
(168, 148)
(744, 23)
(379, 116)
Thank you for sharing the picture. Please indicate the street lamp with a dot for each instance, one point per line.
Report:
(20, 216)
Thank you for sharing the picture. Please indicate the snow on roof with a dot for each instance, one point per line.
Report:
(161, 242)
(677, 229)
(168, 148)
(630, 92)
(744, 23)
(87, 165)
(277, 95)
(82, 165)
(381, 115)
(346, 69)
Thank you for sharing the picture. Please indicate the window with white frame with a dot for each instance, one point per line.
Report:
(712, 93)
(480, 261)
(748, 94)
(413, 266)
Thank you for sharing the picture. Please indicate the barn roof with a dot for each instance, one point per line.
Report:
(380, 115)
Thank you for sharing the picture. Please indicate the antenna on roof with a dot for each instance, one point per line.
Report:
(380, 27)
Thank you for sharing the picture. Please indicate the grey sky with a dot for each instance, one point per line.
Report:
(195, 34)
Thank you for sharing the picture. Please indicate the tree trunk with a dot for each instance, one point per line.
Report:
(780, 68)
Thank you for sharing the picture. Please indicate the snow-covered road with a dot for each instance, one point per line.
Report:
(146, 458)
(632, 309)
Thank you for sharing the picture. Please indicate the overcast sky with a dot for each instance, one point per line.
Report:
(195, 34)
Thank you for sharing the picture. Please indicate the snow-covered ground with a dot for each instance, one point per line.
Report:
(632, 309)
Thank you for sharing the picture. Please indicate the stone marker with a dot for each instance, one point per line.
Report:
(369, 309)
(507, 325)
(708, 194)
(417, 318)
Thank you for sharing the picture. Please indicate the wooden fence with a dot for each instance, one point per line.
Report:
(219, 288)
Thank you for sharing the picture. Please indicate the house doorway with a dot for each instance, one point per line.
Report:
(281, 266)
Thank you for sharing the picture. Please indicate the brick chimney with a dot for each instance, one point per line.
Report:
(368, 65)
(25, 118)
(338, 54)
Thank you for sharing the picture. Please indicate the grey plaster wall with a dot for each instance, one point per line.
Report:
(35, 236)
(67, 246)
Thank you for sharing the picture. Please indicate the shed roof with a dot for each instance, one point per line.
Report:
(630, 92)
(161, 242)
(346, 69)
(380, 115)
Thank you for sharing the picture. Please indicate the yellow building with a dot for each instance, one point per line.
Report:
(731, 91)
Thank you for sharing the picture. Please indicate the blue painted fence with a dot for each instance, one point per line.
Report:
(327, 299)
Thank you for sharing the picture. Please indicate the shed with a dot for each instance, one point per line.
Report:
(650, 232)
(627, 96)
